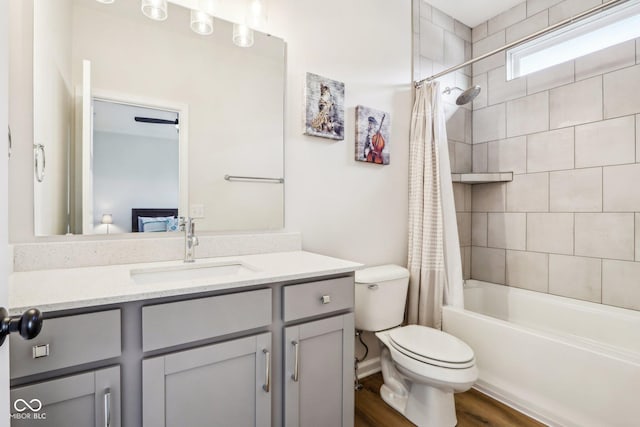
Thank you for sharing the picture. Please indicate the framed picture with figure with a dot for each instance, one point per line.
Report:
(324, 107)
(373, 128)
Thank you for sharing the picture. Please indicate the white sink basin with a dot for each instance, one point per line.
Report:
(189, 272)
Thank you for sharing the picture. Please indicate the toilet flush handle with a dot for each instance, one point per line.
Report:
(373, 287)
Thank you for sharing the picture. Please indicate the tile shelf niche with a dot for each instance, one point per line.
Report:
(482, 178)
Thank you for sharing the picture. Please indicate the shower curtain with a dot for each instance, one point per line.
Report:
(434, 252)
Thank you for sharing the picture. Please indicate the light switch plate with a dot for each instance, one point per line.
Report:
(196, 211)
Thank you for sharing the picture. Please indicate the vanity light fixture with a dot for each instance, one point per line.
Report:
(105, 1)
(256, 14)
(242, 35)
(108, 220)
(155, 9)
(201, 22)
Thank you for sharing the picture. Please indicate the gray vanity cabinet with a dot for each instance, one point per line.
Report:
(225, 384)
(88, 399)
(319, 373)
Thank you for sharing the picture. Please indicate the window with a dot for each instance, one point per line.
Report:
(604, 29)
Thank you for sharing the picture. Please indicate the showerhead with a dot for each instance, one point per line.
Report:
(466, 96)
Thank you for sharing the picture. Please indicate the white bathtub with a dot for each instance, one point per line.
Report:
(562, 361)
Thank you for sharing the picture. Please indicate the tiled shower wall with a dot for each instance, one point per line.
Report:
(439, 43)
(569, 223)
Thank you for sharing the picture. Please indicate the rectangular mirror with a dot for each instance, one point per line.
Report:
(138, 121)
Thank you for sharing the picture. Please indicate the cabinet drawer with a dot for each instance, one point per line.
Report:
(310, 299)
(71, 340)
(175, 323)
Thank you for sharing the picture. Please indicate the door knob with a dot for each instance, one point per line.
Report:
(28, 325)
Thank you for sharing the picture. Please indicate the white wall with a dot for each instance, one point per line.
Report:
(342, 207)
(132, 172)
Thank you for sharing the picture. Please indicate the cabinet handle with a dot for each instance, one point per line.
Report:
(325, 299)
(39, 148)
(107, 408)
(296, 363)
(267, 376)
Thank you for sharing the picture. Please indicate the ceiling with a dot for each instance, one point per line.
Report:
(473, 12)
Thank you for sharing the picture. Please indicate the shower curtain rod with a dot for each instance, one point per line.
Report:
(523, 40)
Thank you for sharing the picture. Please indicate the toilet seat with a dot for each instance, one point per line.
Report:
(432, 346)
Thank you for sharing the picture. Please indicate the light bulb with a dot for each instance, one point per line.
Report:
(242, 35)
(201, 22)
(155, 9)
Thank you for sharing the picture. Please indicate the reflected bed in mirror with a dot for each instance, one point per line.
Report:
(93, 59)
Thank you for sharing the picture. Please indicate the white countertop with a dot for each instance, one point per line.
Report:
(69, 288)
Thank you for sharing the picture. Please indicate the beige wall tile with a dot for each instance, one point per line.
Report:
(481, 100)
(425, 10)
(431, 41)
(460, 197)
(577, 103)
(620, 284)
(462, 153)
(487, 44)
(605, 235)
(606, 60)
(569, 8)
(621, 189)
(578, 190)
(462, 31)
(509, 17)
(548, 151)
(488, 264)
(535, 6)
(529, 26)
(479, 161)
(442, 20)
(490, 63)
(609, 142)
(550, 232)
(528, 193)
(456, 122)
(507, 230)
(507, 155)
(637, 236)
(501, 90)
(479, 32)
(621, 90)
(465, 252)
(528, 270)
(528, 115)
(548, 78)
(479, 229)
(638, 135)
(489, 123)
(453, 49)
(575, 277)
(464, 228)
(488, 197)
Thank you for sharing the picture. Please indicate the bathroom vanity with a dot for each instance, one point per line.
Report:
(256, 340)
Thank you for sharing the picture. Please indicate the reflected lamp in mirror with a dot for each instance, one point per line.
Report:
(155, 9)
(108, 220)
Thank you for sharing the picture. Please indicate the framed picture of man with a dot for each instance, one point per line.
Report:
(373, 128)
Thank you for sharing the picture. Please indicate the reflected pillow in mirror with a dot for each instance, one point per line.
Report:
(151, 225)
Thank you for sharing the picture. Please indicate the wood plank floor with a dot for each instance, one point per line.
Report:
(472, 409)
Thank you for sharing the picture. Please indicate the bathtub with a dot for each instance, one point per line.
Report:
(562, 361)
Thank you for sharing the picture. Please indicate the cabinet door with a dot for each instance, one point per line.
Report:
(319, 373)
(89, 399)
(226, 384)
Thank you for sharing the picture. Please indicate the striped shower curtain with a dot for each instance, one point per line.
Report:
(434, 252)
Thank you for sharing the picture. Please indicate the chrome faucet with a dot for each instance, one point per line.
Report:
(190, 239)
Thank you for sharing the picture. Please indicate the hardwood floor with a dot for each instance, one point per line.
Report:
(472, 409)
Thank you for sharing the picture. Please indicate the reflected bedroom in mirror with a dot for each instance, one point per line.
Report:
(139, 121)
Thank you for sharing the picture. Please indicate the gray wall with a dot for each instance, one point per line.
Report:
(569, 223)
(132, 172)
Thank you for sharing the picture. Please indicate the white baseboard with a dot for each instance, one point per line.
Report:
(368, 367)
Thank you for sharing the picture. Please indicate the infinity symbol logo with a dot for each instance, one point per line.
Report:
(22, 405)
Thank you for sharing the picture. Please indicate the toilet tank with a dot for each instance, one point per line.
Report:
(381, 294)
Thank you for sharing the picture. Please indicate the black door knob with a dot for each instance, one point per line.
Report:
(28, 325)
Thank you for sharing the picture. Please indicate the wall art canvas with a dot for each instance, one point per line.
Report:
(324, 107)
(373, 128)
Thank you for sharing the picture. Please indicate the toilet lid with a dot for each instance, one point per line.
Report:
(432, 346)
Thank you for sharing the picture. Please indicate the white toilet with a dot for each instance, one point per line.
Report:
(422, 367)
